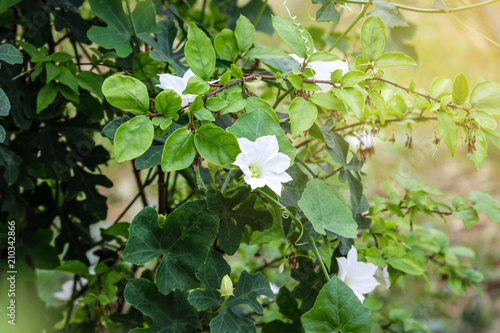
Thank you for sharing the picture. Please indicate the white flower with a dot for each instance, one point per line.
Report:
(274, 288)
(324, 69)
(359, 276)
(177, 84)
(382, 275)
(262, 164)
(67, 289)
(361, 139)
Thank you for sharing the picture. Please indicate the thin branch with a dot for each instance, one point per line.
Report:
(432, 11)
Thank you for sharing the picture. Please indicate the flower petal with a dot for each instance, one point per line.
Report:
(254, 182)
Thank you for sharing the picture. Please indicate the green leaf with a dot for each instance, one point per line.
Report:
(374, 256)
(389, 13)
(438, 86)
(60, 57)
(380, 104)
(354, 99)
(235, 103)
(323, 56)
(204, 115)
(4, 5)
(337, 309)
(233, 221)
(145, 67)
(10, 54)
(126, 93)
(91, 82)
(210, 275)
(327, 12)
(393, 59)
(150, 158)
(45, 96)
(259, 123)
(325, 210)
(302, 115)
(216, 103)
(266, 53)
(116, 35)
(73, 266)
(407, 264)
(481, 150)
(236, 72)
(133, 138)
(468, 216)
(196, 104)
(200, 54)
(485, 96)
(448, 130)
(460, 89)
(5, 103)
(226, 46)
(110, 129)
(184, 242)
(327, 101)
(196, 86)
(179, 151)
(170, 313)
(2, 134)
(10, 163)
(216, 145)
(484, 203)
(294, 35)
(484, 119)
(352, 78)
(373, 37)
(168, 102)
(255, 103)
(244, 33)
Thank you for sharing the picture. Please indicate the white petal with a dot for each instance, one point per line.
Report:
(189, 73)
(296, 58)
(168, 81)
(278, 163)
(242, 163)
(275, 186)
(254, 182)
(269, 144)
(352, 256)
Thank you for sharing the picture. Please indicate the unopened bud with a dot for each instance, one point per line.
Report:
(226, 287)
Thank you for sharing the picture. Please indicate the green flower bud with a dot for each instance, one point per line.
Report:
(226, 287)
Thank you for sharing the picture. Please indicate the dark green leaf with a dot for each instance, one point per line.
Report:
(110, 129)
(45, 96)
(327, 12)
(170, 313)
(10, 54)
(5, 103)
(337, 309)
(150, 158)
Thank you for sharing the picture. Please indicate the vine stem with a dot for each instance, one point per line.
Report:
(349, 28)
(431, 11)
(226, 181)
(261, 11)
(300, 225)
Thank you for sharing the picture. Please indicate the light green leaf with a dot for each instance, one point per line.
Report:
(200, 54)
(91, 82)
(235, 103)
(45, 96)
(266, 53)
(216, 145)
(352, 78)
(226, 46)
(327, 12)
(110, 129)
(196, 104)
(374, 256)
(302, 115)
(255, 103)
(460, 89)
(337, 309)
(5, 103)
(484, 120)
(259, 123)
(126, 93)
(184, 241)
(327, 101)
(204, 115)
(448, 130)
(484, 203)
(10, 54)
(168, 102)
(67, 78)
(485, 96)
(354, 99)
(133, 138)
(179, 151)
(407, 264)
(296, 37)
(216, 103)
(380, 105)
(393, 59)
(244, 33)
(389, 13)
(468, 216)
(481, 150)
(323, 56)
(438, 86)
(323, 208)
(196, 86)
(373, 37)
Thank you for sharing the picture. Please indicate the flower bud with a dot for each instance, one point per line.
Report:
(226, 287)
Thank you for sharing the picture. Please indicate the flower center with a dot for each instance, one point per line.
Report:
(255, 171)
